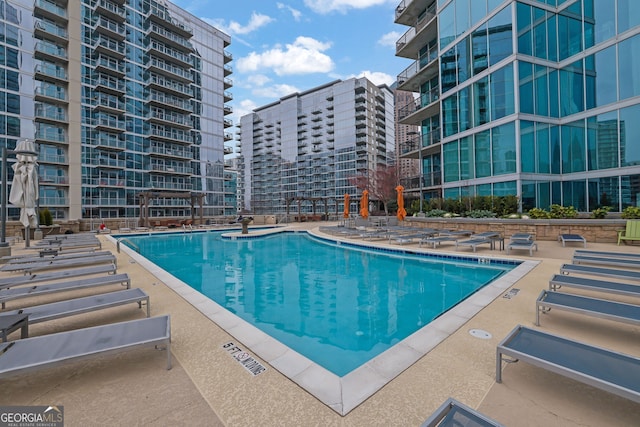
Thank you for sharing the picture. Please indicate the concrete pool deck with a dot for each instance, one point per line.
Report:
(208, 387)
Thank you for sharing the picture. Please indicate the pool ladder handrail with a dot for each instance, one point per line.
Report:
(134, 246)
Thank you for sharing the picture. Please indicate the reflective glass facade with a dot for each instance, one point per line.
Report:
(535, 98)
(121, 97)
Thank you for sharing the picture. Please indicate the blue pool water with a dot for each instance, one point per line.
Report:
(337, 305)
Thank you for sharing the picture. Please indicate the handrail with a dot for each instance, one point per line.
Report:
(135, 247)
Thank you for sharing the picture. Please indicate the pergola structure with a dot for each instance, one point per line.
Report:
(314, 201)
(146, 197)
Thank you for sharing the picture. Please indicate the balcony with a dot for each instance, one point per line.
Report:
(157, 115)
(50, 10)
(428, 142)
(169, 134)
(53, 180)
(49, 71)
(46, 157)
(228, 70)
(409, 11)
(162, 99)
(425, 106)
(109, 65)
(54, 201)
(162, 17)
(105, 201)
(110, 47)
(110, 141)
(110, 28)
(169, 53)
(168, 37)
(108, 123)
(49, 92)
(105, 162)
(227, 56)
(228, 96)
(48, 30)
(50, 113)
(168, 85)
(423, 28)
(228, 83)
(50, 134)
(110, 85)
(171, 151)
(420, 71)
(171, 169)
(104, 182)
(160, 66)
(227, 123)
(161, 184)
(50, 52)
(109, 104)
(227, 109)
(111, 10)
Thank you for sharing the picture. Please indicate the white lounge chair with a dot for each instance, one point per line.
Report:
(30, 354)
(608, 370)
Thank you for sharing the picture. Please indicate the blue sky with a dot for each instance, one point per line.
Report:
(282, 47)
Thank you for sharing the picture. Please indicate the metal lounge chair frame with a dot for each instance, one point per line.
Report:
(618, 262)
(565, 238)
(57, 257)
(599, 271)
(605, 254)
(522, 245)
(598, 367)
(454, 413)
(51, 350)
(72, 285)
(70, 263)
(478, 239)
(71, 307)
(604, 309)
(560, 280)
(9, 282)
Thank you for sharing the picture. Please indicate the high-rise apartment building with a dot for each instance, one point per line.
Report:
(529, 98)
(306, 146)
(121, 97)
(408, 168)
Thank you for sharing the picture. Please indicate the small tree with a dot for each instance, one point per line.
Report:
(381, 183)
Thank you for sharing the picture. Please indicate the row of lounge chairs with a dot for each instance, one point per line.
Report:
(26, 354)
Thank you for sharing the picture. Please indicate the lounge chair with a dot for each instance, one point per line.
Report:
(599, 271)
(560, 280)
(566, 238)
(453, 413)
(608, 261)
(611, 310)
(72, 285)
(54, 258)
(608, 254)
(630, 233)
(30, 268)
(10, 282)
(30, 354)
(478, 239)
(436, 240)
(71, 307)
(527, 245)
(598, 367)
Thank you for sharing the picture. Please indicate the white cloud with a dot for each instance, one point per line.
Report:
(294, 12)
(378, 78)
(303, 56)
(256, 22)
(275, 91)
(390, 39)
(326, 6)
(242, 108)
(257, 80)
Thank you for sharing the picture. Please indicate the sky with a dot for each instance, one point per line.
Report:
(283, 47)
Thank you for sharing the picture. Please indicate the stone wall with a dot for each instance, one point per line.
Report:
(594, 230)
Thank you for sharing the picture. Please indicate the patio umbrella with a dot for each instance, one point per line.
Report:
(364, 204)
(24, 187)
(346, 206)
(401, 211)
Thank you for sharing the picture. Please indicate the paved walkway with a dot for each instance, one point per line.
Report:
(207, 388)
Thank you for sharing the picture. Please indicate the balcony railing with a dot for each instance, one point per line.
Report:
(424, 140)
(51, 70)
(52, 28)
(51, 7)
(173, 101)
(170, 36)
(419, 102)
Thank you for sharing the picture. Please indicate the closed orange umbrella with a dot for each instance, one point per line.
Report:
(401, 211)
(364, 205)
(346, 206)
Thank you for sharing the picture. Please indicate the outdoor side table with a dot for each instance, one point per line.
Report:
(13, 322)
(499, 240)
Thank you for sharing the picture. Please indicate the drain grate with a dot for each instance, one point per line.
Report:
(479, 333)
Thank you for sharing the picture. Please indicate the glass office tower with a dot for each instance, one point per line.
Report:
(533, 99)
(122, 97)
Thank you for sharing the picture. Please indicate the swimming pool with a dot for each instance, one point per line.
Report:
(338, 306)
(340, 393)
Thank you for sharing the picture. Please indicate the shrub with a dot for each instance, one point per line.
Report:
(537, 213)
(480, 213)
(45, 217)
(631, 212)
(435, 213)
(600, 213)
(562, 212)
